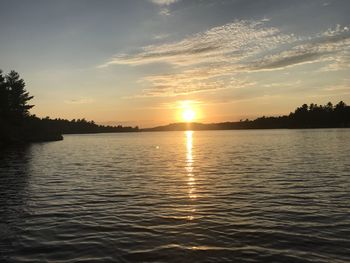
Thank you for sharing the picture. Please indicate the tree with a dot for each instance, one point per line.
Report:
(329, 106)
(18, 98)
(4, 107)
(340, 106)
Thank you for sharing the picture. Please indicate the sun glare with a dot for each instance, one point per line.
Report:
(188, 111)
(188, 115)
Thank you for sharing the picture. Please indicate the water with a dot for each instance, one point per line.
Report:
(211, 196)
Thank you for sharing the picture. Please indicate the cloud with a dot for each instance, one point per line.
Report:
(184, 84)
(229, 43)
(217, 58)
(336, 63)
(164, 12)
(339, 88)
(160, 36)
(83, 100)
(163, 2)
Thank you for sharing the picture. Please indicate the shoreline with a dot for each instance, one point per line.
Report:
(60, 137)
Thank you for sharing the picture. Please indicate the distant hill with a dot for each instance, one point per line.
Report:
(304, 117)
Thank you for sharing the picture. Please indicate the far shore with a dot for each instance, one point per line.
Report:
(58, 137)
(34, 129)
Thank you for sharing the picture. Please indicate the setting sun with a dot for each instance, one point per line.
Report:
(188, 111)
(188, 115)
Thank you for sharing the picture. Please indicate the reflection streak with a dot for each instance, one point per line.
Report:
(191, 182)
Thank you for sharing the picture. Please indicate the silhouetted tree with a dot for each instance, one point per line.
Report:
(4, 98)
(17, 125)
(13, 98)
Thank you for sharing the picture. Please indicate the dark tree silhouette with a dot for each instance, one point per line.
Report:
(14, 98)
(17, 125)
(18, 97)
(3, 97)
(75, 126)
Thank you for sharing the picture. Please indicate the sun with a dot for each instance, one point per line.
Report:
(188, 111)
(188, 115)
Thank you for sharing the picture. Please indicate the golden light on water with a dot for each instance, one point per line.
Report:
(189, 147)
(191, 182)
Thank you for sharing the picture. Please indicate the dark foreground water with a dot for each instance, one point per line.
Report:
(215, 196)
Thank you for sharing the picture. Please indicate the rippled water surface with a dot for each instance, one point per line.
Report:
(208, 196)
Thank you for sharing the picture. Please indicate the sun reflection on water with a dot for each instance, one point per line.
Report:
(191, 182)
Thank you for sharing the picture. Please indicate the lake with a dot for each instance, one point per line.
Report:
(203, 196)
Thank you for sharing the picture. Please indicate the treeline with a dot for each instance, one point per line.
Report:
(75, 126)
(18, 125)
(304, 117)
(308, 116)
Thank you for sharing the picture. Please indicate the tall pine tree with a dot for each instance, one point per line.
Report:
(18, 98)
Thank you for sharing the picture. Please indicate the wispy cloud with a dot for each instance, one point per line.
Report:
(229, 43)
(164, 12)
(169, 85)
(160, 36)
(339, 88)
(216, 59)
(83, 100)
(163, 2)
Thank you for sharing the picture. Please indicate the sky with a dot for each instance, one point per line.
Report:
(143, 62)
